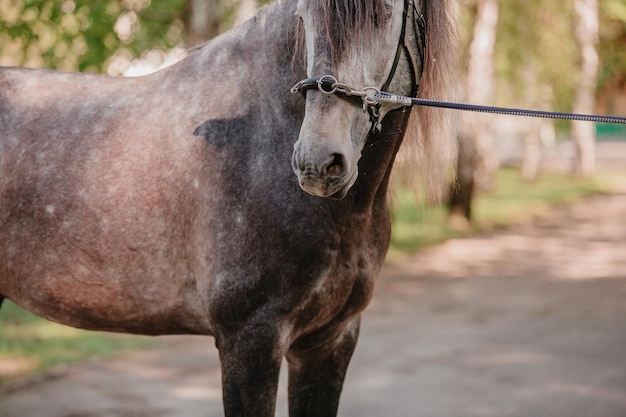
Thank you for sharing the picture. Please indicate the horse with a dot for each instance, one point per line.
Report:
(211, 198)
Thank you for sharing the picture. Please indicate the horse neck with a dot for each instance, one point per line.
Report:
(260, 56)
(377, 160)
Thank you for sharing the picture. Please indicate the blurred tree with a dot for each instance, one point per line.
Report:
(538, 64)
(539, 133)
(206, 19)
(533, 67)
(202, 20)
(81, 34)
(246, 9)
(536, 37)
(612, 51)
(587, 36)
(477, 162)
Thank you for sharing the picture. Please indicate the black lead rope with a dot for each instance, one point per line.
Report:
(408, 102)
(371, 99)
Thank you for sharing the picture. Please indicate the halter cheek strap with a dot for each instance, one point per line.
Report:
(404, 45)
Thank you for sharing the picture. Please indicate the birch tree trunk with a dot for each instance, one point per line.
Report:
(477, 162)
(541, 132)
(202, 20)
(583, 133)
(246, 9)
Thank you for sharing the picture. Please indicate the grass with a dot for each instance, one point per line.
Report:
(29, 344)
(514, 201)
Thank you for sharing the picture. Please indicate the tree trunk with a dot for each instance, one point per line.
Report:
(462, 191)
(583, 133)
(202, 20)
(245, 10)
(480, 90)
(477, 162)
(531, 159)
(541, 132)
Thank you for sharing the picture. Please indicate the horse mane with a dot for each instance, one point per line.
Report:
(349, 20)
(430, 140)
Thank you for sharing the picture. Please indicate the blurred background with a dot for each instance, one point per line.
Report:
(565, 55)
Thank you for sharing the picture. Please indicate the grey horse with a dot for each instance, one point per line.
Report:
(209, 199)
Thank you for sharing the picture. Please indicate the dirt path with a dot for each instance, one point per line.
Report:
(526, 322)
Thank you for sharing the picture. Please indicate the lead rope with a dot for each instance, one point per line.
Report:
(403, 101)
(372, 98)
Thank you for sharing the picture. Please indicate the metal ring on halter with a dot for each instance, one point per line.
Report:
(370, 98)
(326, 80)
(345, 89)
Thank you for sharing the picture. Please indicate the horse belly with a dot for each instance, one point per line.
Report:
(101, 265)
(112, 298)
(102, 261)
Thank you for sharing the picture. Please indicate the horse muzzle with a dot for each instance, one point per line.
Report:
(331, 178)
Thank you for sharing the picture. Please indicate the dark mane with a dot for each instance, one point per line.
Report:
(346, 20)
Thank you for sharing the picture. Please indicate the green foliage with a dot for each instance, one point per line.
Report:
(536, 48)
(612, 48)
(417, 225)
(38, 344)
(81, 34)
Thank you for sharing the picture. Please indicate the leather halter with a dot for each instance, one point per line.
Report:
(410, 12)
(325, 83)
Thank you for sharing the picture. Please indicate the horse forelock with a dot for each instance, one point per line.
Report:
(348, 21)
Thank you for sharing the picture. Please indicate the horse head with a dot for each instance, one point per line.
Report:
(354, 48)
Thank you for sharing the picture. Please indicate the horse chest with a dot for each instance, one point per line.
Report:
(338, 293)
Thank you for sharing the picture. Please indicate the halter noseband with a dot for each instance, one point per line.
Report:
(328, 84)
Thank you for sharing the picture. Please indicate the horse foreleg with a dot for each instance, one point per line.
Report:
(1, 300)
(316, 374)
(250, 359)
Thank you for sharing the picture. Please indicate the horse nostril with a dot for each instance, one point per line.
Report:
(336, 166)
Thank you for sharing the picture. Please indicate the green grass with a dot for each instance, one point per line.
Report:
(29, 344)
(514, 201)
